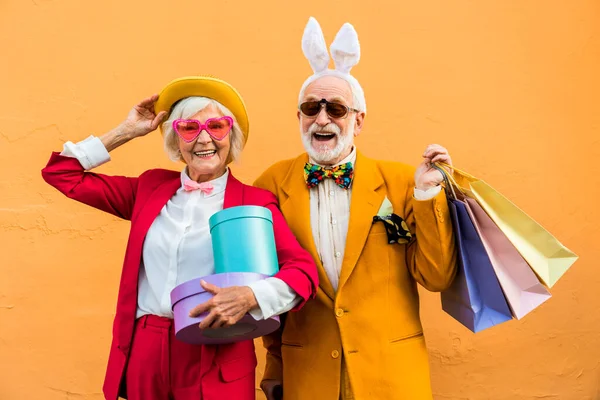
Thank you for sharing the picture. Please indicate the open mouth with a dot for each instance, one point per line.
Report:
(323, 136)
(205, 153)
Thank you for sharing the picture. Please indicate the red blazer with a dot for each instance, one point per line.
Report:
(140, 201)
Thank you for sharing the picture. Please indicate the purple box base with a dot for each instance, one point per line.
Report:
(189, 294)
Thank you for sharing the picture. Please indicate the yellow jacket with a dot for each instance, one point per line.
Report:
(373, 318)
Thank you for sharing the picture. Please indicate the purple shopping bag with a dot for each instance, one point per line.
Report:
(475, 298)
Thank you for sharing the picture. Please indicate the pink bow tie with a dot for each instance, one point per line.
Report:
(204, 187)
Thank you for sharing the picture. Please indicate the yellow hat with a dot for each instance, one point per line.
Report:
(204, 86)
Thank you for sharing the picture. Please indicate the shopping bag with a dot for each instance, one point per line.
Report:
(548, 258)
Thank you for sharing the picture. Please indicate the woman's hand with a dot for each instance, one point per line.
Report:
(140, 121)
(227, 306)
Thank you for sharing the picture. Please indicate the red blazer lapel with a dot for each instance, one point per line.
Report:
(127, 302)
(234, 192)
(156, 201)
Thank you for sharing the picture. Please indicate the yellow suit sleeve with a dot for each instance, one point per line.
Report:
(271, 342)
(432, 256)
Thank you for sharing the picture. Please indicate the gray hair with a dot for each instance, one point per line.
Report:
(358, 95)
(189, 107)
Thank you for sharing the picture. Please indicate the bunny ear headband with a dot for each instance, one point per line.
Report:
(345, 51)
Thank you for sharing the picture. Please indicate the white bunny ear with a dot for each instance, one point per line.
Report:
(314, 47)
(345, 49)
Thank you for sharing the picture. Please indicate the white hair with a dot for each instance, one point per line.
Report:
(358, 95)
(189, 107)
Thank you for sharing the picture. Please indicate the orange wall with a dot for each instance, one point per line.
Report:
(510, 87)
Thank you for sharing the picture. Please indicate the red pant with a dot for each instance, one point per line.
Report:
(160, 367)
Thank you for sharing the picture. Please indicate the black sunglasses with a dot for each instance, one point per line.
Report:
(334, 110)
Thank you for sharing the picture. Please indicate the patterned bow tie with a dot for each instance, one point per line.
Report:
(341, 174)
(204, 187)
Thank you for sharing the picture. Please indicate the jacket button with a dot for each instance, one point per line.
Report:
(335, 354)
(339, 312)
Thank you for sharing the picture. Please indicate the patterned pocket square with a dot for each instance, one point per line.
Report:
(395, 227)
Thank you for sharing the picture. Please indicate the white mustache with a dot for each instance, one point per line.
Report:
(329, 128)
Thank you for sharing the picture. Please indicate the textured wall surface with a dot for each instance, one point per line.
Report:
(510, 87)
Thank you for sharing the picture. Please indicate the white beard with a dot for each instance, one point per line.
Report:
(327, 156)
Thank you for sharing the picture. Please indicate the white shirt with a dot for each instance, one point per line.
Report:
(330, 215)
(178, 245)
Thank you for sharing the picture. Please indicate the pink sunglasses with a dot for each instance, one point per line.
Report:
(189, 129)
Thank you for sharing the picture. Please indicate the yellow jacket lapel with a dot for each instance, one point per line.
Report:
(368, 192)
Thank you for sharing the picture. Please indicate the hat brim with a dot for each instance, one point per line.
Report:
(212, 88)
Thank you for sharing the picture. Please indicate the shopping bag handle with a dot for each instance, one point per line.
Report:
(447, 183)
(451, 178)
(466, 174)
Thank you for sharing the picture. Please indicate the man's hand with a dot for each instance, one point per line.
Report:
(272, 388)
(426, 176)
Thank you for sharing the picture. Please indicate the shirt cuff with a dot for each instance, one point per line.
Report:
(90, 152)
(274, 297)
(427, 194)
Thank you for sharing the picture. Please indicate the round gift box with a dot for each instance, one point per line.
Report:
(244, 252)
(189, 294)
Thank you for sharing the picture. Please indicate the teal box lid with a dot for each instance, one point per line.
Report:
(243, 240)
(239, 212)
